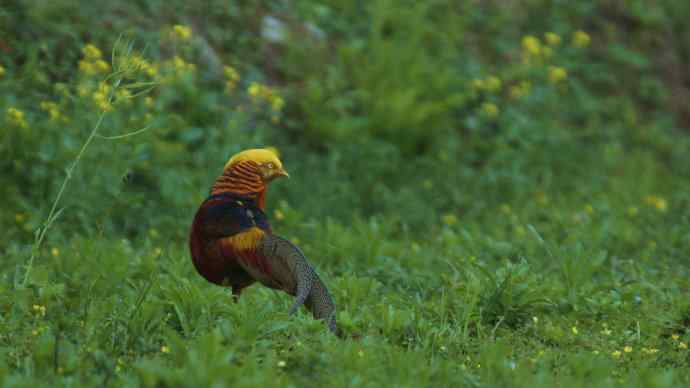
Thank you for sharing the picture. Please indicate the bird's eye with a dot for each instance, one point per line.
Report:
(270, 165)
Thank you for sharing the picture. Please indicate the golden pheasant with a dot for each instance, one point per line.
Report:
(232, 244)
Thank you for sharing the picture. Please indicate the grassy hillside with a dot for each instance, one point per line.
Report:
(496, 193)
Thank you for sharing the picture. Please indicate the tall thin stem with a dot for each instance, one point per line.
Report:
(54, 213)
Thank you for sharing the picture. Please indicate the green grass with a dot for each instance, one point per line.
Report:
(544, 243)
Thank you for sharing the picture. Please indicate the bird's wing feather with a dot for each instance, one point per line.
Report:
(222, 219)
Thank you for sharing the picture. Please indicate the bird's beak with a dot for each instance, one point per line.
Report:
(282, 172)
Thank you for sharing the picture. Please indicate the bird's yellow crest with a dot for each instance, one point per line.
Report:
(258, 155)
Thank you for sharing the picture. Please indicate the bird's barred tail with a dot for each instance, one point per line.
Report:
(304, 283)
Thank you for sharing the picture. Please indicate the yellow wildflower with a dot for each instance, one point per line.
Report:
(87, 67)
(259, 92)
(52, 109)
(124, 95)
(233, 77)
(54, 114)
(277, 103)
(102, 97)
(449, 219)
(91, 52)
(179, 63)
(682, 345)
(478, 84)
(493, 84)
(180, 66)
(628, 349)
(16, 117)
(55, 252)
(520, 90)
(557, 74)
(151, 70)
(581, 39)
(254, 90)
(531, 45)
(104, 87)
(675, 337)
(2, 71)
(83, 90)
(515, 92)
(616, 354)
(41, 310)
(136, 61)
(139, 63)
(102, 66)
(231, 73)
(182, 32)
(489, 109)
(552, 38)
(659, 203)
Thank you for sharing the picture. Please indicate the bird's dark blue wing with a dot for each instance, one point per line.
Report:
(227, 216)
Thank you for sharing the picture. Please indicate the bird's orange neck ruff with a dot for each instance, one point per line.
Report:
(243, 179)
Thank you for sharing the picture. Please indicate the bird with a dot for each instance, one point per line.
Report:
(232, 243)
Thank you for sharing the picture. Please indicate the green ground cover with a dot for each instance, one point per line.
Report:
(497, 193)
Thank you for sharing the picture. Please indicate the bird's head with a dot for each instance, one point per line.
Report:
(264, 161)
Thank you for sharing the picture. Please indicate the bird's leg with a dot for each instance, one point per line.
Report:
(236, 291)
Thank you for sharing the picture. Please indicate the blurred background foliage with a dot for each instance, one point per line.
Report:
(474, 163)
(471, 97)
